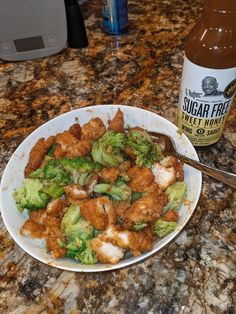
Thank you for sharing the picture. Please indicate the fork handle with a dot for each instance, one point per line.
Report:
(223, 176)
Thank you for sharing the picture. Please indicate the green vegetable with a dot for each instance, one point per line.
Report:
(108, 149)
(80, 169)
(175, 193)
(52, 149)
(53, 177)
(30, 195)
(75, 226)
(139, 226)
(78, 232)
(163, 228)
(87, 256)
(145, 150)
(117, 192)
(137, 195)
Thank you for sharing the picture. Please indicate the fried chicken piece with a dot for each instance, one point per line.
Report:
(75, 193)
(146, 209)
(32, 229)
(109, 175)
(56, 208)
(129, 151)
(140, 242)
(37, 154)
(168, 161)
(92, 182)
(141, 178)
(164, 177)
(66, 139)
(171, 161)
(117, 123)
(99, 211)
(137, 242)
(59, 152)
(125, 166)
(106, 252)
(179, 170)
(121, 209)
(54, 234)
(71, 146)
(171, 215)
(38, 216)
(75, 130)
(93, 130)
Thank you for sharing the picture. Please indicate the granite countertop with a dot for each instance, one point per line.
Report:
(193, 274)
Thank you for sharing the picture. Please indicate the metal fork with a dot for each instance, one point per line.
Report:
(170, 148)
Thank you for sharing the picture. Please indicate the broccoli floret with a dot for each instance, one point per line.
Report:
(75, 226)
(137, 195)
(175, 194)
(52, 189)
(52, 149)
(87, 256)
(30, 195)
(139, 226)
(81, 252)
(80, 169)
(117, 192)
(163, 228)
(108, 149)
(123, 179)
(74, 246)
(52, 170)
(53, 177)
(78, 232)
(145, 150)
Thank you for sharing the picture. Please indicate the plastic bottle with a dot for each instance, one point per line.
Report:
(115, 16)
(209, 73)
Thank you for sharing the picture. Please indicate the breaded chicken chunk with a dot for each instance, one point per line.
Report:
(38, 216)
(171, 161)
(70, 146)
(93, 130)
(92, 182)
(37, 154)
(109, 175)
(141, 178)
(146, 209)
(75, 193)
(121, 209)
(32, 229)
(75, 130)
(99, 211)
(117, 123)
(56, 208)
(137, 242)
(106, 252)
(164, 176)
(54, 235)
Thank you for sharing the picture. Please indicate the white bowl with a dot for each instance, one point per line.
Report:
(14, 175)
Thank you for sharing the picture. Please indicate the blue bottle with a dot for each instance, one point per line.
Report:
(115, 16)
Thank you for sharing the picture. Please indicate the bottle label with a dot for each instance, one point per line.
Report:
(115, 16)
(205, 99)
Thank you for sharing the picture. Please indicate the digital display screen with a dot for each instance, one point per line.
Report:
(31, 43)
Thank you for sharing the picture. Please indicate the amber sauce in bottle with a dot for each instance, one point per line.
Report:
(209, 73)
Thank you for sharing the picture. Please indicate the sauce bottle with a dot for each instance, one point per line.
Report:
(208, 80)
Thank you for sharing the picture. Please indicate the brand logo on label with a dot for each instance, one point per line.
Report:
(210, 87)
(230, 89)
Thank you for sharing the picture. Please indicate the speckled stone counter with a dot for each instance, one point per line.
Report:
(193, 274)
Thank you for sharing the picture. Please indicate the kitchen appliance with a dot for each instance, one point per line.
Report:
(31, 28)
